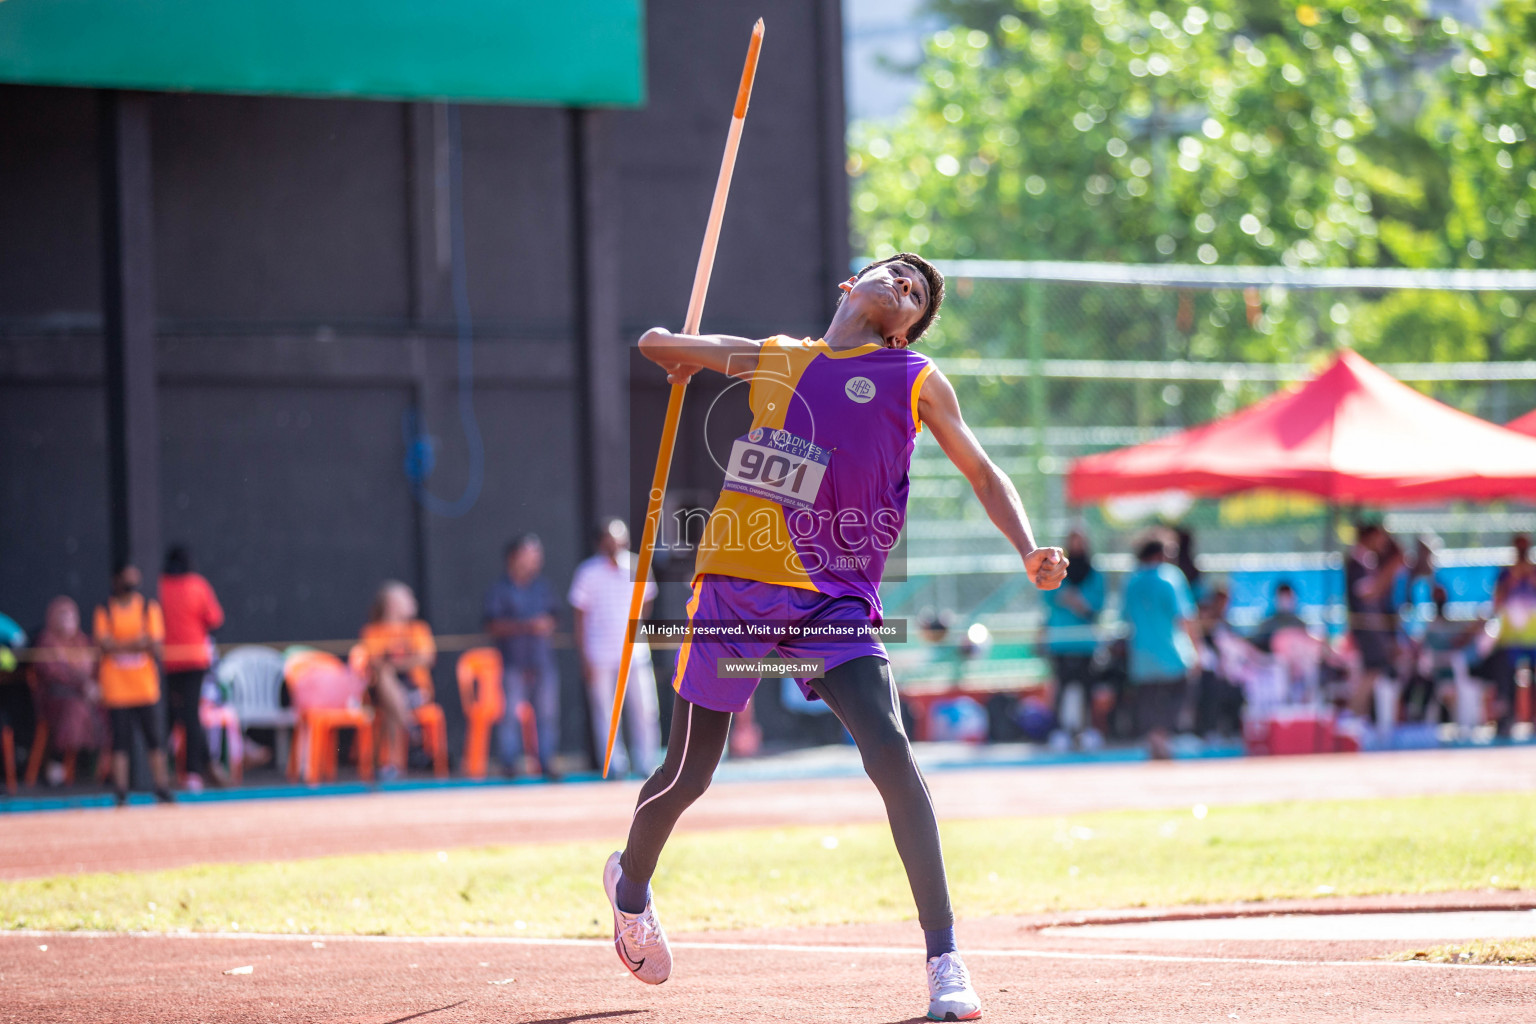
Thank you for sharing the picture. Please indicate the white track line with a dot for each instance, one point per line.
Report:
(756, 947)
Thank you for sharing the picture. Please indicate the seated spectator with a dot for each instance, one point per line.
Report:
(1514, 605)
(1443, 661)
(1412, 596)
(932, 627)
(1218, 696)
(934, 624)
(400, 652)
(1415, 581)
(1370, 573)
(816, 724)
(130, 630)
(15, 701)
(1282, 615)
(64, 683)
(12, 639)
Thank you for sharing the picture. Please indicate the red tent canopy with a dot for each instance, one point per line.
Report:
(1353, 434)
(1524, 425)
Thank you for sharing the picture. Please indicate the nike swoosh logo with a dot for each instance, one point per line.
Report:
(635, 965)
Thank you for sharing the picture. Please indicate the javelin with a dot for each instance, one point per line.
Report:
(675, 400)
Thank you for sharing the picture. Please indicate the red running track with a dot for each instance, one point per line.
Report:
(854, 974)
(858, 973)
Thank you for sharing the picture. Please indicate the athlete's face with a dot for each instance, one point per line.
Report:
(893, 296)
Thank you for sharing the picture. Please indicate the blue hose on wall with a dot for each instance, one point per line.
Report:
(421, 456)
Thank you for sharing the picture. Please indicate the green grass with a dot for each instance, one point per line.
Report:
(807, 876)
(1499, 951)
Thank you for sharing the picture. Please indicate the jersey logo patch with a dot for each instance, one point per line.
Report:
(860, 389)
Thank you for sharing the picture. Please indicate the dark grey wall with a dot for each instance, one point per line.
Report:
(48, 208)
(279, 210)
(52, 493)
(303, 314)
(282, 528)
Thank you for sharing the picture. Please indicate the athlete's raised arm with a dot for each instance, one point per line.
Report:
(939, 410)
(683, 355)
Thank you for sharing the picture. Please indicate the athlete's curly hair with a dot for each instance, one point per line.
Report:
(935, 289)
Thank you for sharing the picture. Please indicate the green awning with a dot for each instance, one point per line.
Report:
(569, 52)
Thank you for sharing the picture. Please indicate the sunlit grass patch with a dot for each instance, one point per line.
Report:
(819, 876)
(1493, 951)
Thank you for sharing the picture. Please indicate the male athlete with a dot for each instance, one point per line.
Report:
(815, 496)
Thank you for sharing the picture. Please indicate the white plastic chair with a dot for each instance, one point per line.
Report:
(254, 677)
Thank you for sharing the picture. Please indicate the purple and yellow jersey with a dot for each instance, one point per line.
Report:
(815, 492)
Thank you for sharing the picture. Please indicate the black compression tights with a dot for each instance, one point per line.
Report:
(863, 696)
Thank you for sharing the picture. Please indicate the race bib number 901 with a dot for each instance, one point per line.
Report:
(777, 465)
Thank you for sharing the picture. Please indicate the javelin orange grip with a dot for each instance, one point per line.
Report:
(675, 399)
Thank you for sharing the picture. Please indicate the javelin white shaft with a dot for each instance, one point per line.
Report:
(712, 229)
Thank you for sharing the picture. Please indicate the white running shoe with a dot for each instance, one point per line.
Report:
(641, 943)
(950, 995)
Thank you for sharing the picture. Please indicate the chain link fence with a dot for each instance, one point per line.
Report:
(1056, 360)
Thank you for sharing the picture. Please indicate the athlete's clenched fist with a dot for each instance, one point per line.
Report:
(1047, 567)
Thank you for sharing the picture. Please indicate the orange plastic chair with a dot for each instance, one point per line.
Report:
(39, 748)
(434, 724)
(487, 680)
(479, 671)
(434, 735)
(316, 732)
(35, 758)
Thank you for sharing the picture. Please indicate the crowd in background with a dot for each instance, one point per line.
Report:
(140, 667)
(1180, 666)
(1143, 684)
(142, 672)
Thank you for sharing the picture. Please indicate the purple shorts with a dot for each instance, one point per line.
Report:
(722, 603)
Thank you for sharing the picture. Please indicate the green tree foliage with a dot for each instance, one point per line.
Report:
(1260, 132)
(1482, 123)
(1109, 130)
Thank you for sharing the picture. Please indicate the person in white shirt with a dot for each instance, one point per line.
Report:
(600, 594)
